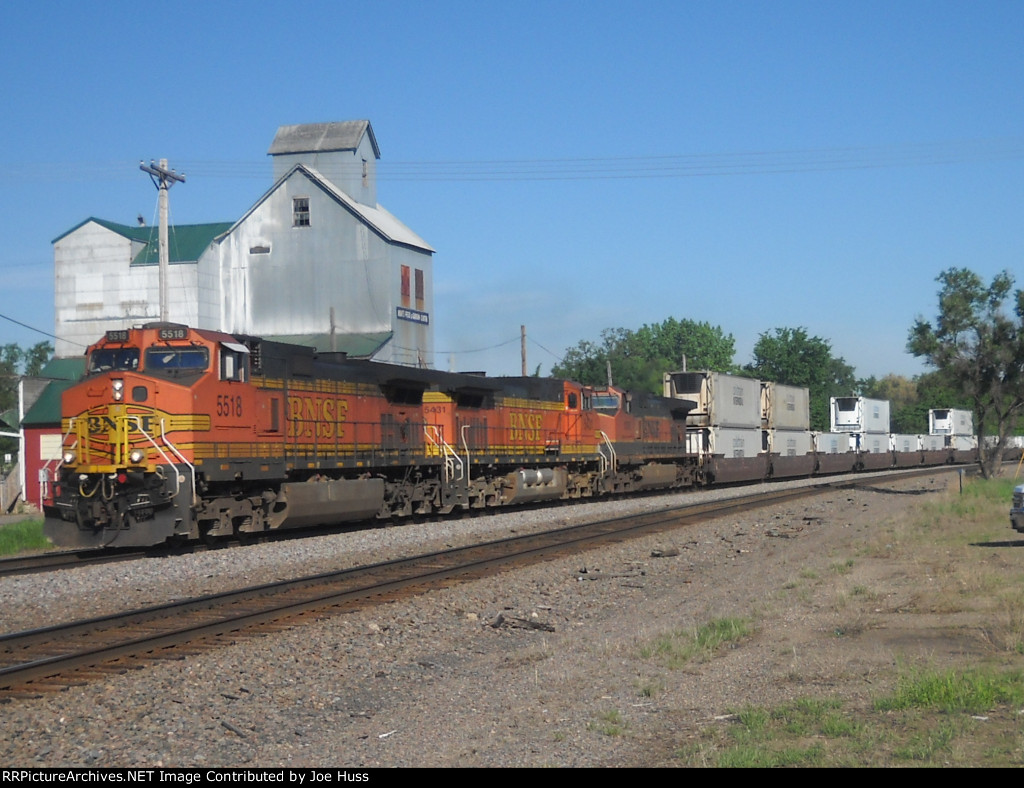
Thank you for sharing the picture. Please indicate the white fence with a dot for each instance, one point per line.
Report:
(10, 489)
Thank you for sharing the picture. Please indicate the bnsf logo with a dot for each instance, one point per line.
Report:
(137, 422)
(317, 417)
(525, 427)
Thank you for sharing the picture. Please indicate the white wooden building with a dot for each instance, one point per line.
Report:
(315, 260)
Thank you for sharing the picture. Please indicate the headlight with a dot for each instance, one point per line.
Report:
(136, 456)
(68, 457)
(118, 386)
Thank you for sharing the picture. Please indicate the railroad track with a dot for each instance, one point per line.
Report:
(56, 657)
(67, 559)
(71, 559)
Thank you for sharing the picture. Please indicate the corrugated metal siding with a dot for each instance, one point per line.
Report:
(269, 278)
(97, 287)
(346, 153)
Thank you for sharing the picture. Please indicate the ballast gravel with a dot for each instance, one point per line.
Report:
(545, 666)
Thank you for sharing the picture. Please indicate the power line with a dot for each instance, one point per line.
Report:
(757, 162)
(33, 328)
(672, 165)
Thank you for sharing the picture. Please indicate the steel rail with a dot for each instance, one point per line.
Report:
(67, 559)
(49, 655)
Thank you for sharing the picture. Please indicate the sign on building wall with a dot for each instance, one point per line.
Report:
(413, 316)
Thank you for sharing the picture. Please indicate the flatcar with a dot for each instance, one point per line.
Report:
(176, 433)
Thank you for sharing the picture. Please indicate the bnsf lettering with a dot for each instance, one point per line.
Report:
(651, 430)
(316, 417)
(98, 424)
(525, 427)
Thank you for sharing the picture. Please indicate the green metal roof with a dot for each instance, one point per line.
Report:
(185, 242)
(64, 368)
(9, 420)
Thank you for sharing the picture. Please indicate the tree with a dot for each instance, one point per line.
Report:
(906, 415)
(792, 357)
(14, 363)
(978, 348)
(640, 358)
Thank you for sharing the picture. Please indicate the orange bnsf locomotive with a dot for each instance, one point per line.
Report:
(177, 433)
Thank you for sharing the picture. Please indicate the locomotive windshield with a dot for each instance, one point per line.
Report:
(177, 361)
(606, 403)
(113, 358)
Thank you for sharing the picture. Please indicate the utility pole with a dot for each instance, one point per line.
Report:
(163, 179)
(522, 347)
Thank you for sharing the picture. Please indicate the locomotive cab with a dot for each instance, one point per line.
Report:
(127, 474)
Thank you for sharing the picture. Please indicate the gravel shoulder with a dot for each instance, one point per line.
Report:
(539, 667)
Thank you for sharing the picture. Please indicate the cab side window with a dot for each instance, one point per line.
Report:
(234, 365)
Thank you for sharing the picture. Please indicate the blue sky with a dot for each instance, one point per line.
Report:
(576, 165)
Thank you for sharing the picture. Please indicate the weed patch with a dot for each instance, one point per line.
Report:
(22, 536)
(679, 647)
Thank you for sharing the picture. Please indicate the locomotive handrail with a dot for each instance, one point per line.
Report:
(611, 461)
(465, 445)
(451, 458)
(177, 452)
(163, 435)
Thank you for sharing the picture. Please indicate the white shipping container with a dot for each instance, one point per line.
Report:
(734, 443)
(949, 421)
(785, 407)
(872, 442)
(963, 442)
(859, 414)
(905, 443)
(833, 442)
(933, 442)
(790, 443)
(722, 400)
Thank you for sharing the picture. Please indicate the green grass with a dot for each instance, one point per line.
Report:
(930, 719)
(981, 511)
(21, 536)
(679, 647)
(980, 495)
(973, 691)
(610, 723)
(760, 758)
